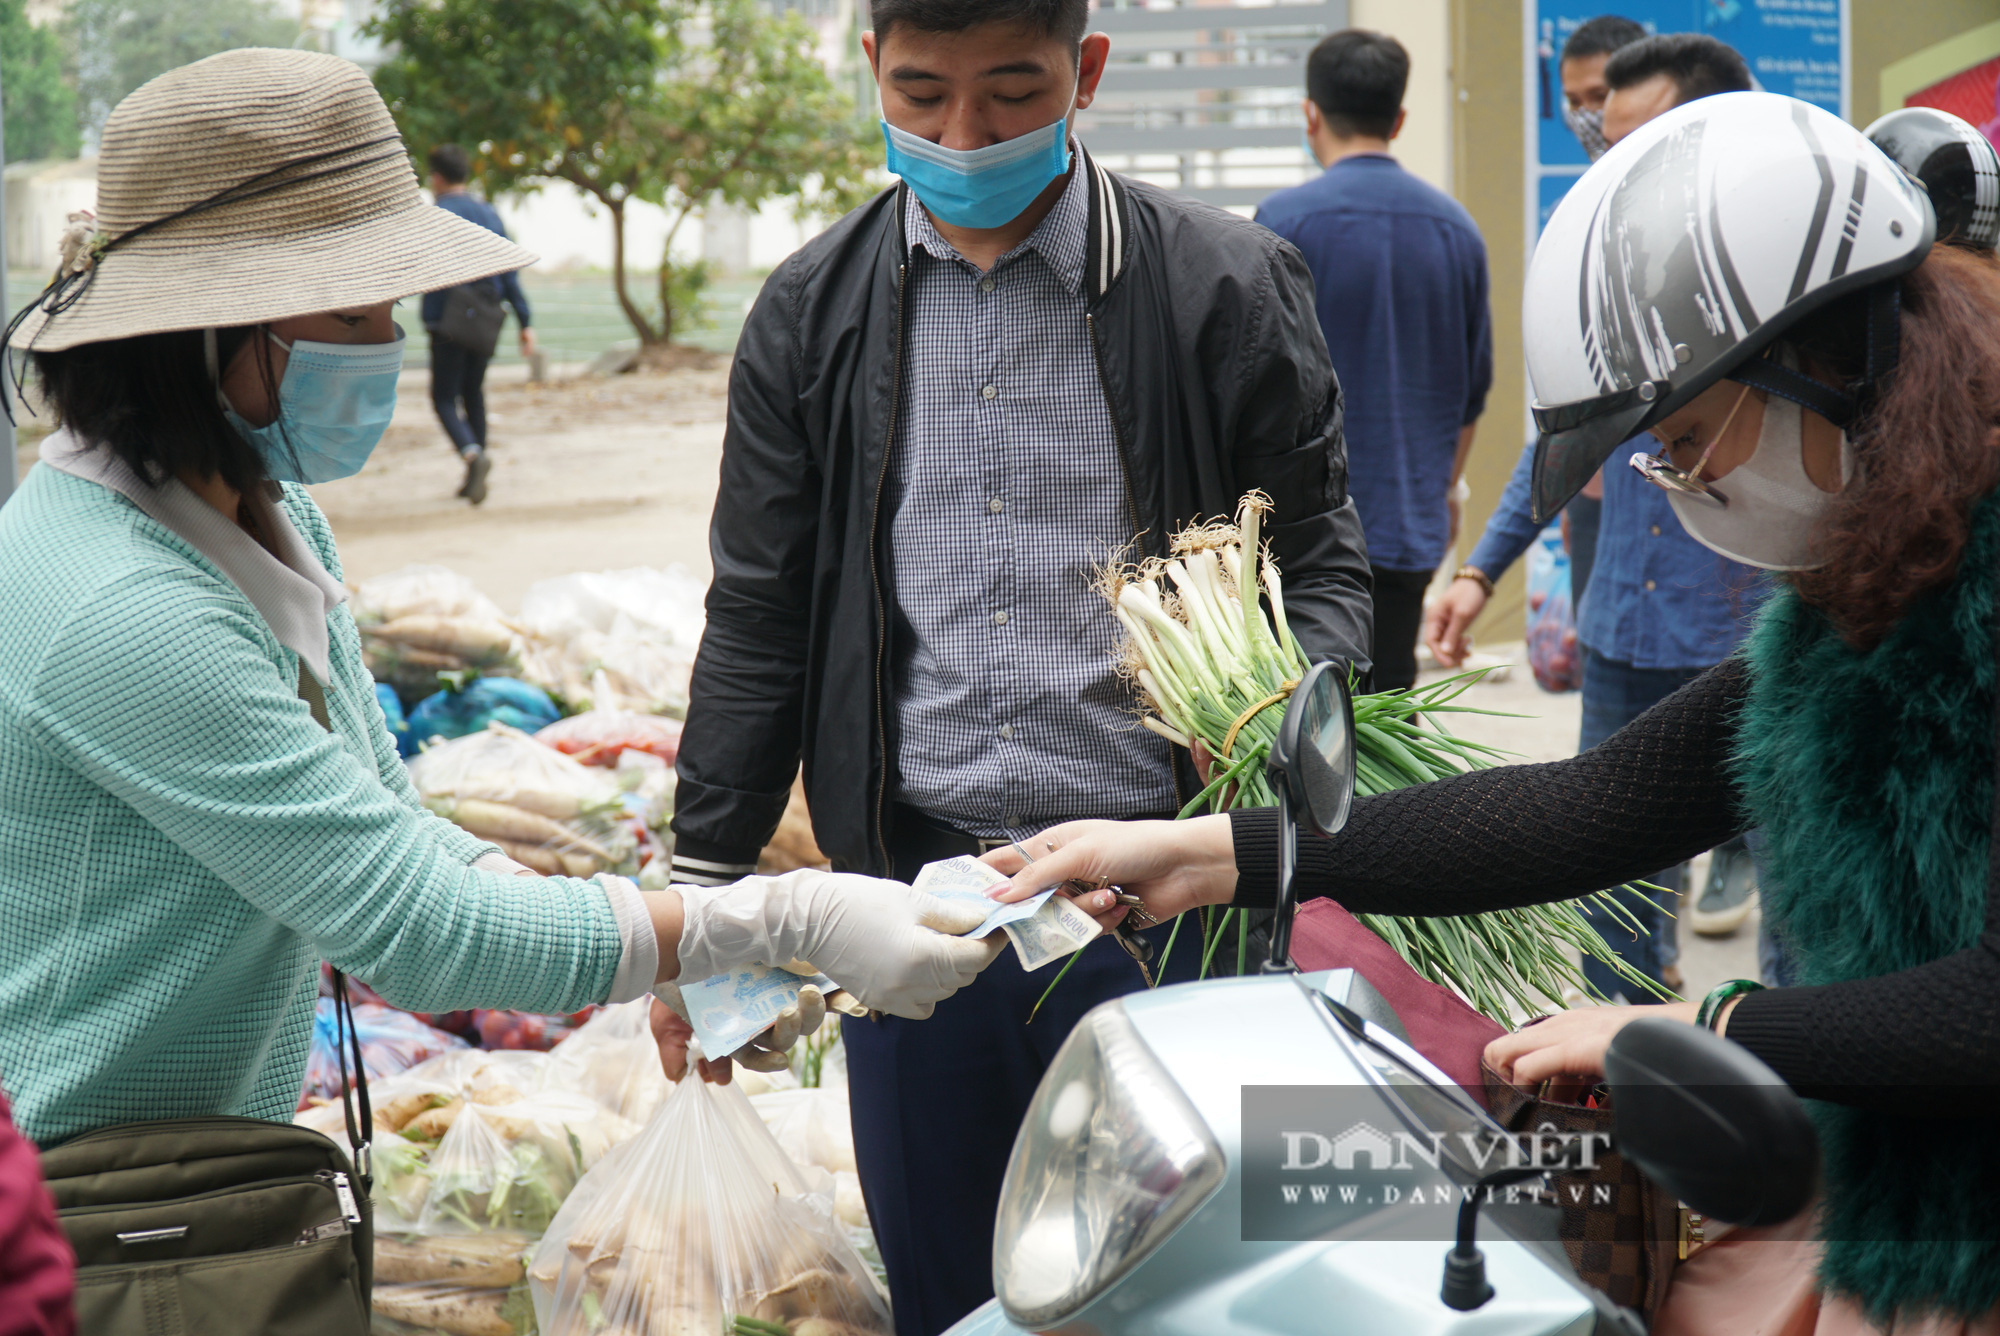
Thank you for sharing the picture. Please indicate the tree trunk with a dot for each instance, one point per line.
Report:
(648, 337)
(667, 274)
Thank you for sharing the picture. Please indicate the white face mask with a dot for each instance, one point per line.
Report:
(1773, 506)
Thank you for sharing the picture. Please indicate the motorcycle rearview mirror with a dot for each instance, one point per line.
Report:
(1312, 771)
(1711, 1123)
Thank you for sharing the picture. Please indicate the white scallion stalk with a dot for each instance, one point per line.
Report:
(1205, 656)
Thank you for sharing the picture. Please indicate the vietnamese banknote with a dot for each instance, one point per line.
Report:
(1042, 927)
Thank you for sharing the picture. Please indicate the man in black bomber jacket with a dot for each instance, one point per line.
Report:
(937, 426)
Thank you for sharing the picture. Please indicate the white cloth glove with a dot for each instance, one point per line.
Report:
(890, 946)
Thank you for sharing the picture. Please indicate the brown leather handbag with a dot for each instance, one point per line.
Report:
(1623, 1232)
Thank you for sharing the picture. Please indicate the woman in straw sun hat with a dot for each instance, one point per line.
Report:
(198, 795)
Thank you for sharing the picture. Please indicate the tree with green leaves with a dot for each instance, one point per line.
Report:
(679, 103)
(116, 45)
(39, 109)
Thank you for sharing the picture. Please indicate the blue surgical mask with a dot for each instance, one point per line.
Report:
(979, 187)
(334, 403)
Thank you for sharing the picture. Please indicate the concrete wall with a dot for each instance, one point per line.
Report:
(40, 196)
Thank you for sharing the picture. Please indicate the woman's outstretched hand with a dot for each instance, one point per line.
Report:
(1571, 1043)
(1172, 866)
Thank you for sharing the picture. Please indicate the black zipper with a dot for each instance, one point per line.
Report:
(1125, 476)
(875, 574)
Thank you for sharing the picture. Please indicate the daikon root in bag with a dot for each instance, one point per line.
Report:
(696, 1222)
(544, 809)
(507, 1168)
(420, 621)
(614, 1060)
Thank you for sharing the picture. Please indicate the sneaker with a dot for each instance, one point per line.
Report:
(1729, 894)
(477, 465)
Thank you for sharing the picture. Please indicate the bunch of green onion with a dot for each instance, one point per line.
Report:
(1215, 671)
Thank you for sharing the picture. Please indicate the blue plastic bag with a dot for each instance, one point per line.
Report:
(392, 714)
(453, 714)
(1553, 654)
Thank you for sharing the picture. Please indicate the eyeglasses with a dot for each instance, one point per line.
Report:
(1663, 473)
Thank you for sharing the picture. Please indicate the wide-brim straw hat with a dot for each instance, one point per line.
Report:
(298, 196)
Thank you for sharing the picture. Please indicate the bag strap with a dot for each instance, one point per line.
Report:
(346, 1034)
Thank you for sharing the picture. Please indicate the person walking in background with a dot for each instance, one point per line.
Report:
(1399, 283)
(460, 350)
(1662, 609)
(1584, 90)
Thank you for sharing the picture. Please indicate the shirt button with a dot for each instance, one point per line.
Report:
(1011, 820)
(988, 391)
(986, 285)
(1656, 531)
(1649, 586)
(1007, 735)
(996, 505)
(1000, 617)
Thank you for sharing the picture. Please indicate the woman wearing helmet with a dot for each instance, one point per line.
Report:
(198, 797)
(1751, 281)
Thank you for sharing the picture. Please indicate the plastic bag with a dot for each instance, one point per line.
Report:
(420, 591)
(810, 1125)
(696, 1221)
(544, 809)
(614, 640)
(614, 1060)
(1553, 653)
(526, 1029)
(598, 737)
(508, 1167)
(663, 605)
(453, 714)
(421, 621)
(391, 1041)
(392, 715)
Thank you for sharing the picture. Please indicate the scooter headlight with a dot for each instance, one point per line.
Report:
(1109, 1161)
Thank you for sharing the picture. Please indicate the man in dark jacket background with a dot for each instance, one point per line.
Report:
(945, 412)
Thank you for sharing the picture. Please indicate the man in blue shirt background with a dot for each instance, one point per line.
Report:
(1660, 609)
(1399, 279)
(458, 373)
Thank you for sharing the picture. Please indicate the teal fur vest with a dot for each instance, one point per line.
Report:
(1872, 776)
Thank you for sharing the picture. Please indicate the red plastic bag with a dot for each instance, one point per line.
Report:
(1553, 652)
(595, 737)
(1440, 1024)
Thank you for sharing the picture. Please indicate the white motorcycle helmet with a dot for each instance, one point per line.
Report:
(1687, 250)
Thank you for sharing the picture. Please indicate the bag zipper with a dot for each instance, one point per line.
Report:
(350, 1210)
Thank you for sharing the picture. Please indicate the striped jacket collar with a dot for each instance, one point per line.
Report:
(1107, 234)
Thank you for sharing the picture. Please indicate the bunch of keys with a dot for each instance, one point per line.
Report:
(1134, 946)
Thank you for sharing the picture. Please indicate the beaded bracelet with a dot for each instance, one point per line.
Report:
(1477, 576)
(1711, 1006)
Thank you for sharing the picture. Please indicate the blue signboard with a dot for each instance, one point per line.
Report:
(1795, 47)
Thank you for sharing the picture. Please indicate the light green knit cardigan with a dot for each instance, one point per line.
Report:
(180, 843)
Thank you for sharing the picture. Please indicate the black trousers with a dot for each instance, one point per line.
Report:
(1399, 617)
(936, 1103)
(458, 377)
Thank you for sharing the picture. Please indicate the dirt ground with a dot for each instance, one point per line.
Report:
(588, 474)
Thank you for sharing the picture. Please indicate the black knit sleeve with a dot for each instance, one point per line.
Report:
(1656, 792)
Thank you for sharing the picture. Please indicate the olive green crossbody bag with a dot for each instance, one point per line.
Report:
(223, 1226)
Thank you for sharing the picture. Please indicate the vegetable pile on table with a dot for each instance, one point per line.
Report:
(543, 809)
(697, 1226)
(1213, 669)
(479, 1155)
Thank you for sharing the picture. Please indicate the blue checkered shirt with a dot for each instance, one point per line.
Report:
(1007, 493)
